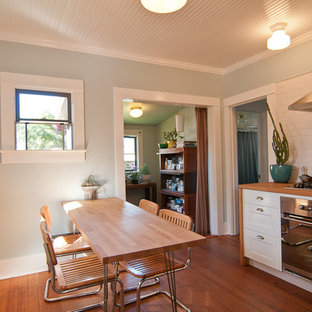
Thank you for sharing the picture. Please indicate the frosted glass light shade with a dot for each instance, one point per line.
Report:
(163, 6)
(279, 40)
(136, 111)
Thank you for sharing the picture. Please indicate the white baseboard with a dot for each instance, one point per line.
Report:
(22, 266)
(284, 275)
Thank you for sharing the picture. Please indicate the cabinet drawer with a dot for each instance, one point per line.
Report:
(262, 198)
(263, 248)
(262, 219)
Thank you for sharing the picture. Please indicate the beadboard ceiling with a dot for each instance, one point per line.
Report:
(208, 35)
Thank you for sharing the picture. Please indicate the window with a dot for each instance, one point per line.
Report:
(43, 120)
(133, 149)
(130, 152)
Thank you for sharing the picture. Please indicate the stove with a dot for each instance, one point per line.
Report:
(300, 186)
(296, 230)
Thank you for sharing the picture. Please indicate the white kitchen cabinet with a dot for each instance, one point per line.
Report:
(262, 229)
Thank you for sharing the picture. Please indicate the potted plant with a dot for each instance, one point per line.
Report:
(134, 175)
(145, 173)
(171, 137)
(280, 172)
(90, 187)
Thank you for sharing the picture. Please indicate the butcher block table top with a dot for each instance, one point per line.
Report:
(276, 188)
(117, 230)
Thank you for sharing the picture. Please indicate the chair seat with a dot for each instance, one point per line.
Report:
(81, 271)
(68, 244)
(149, 266)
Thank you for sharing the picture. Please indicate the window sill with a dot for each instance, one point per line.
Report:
(43, 157)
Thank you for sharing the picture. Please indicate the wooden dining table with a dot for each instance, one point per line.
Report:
(117, 230)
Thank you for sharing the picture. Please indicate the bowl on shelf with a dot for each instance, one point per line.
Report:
(162, 145)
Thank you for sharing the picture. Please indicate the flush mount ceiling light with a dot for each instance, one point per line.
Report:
(136, 110)
(163, 6)
(279, 40)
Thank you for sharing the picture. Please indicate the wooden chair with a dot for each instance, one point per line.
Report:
(64, 245)
(74, 274)
(150, 267)
(153, 208)
(149, 206)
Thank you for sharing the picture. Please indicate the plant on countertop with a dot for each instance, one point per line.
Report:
(144, 170)
(280, 146)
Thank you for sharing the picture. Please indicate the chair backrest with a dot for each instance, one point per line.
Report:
(47, 239)
(149, 206)
(177, 218)
(45, 214)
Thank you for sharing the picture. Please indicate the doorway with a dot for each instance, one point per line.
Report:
(214, 142)
(252, 142)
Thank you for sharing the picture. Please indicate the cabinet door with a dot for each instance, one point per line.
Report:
(263, 248)
(262, 219)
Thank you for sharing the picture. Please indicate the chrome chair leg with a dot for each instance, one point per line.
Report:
(46, 293)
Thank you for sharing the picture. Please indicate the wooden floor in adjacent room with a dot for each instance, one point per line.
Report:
(215, 281)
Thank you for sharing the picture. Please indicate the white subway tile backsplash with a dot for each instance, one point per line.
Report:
(297, 125)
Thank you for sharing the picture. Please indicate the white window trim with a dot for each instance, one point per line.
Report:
(139, 135)
(11, 81)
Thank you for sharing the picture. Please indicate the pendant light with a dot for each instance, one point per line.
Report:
(136, 110)
(279, 40)
(163, 6)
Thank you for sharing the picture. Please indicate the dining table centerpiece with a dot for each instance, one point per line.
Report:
(280, 172)
(90, 187)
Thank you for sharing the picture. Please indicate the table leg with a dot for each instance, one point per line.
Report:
(169, 261)
(105, 287)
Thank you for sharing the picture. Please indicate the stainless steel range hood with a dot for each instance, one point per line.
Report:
(303, 104)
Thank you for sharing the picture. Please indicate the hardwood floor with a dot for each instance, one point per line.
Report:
(215, 281)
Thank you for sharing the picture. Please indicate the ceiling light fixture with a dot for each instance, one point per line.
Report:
(279, 40)
(163, 6)
(136, 111)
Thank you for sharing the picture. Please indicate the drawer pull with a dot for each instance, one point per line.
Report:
(259, 198)
(260, 210)
(260, 237)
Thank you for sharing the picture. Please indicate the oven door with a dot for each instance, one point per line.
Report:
(297, 245)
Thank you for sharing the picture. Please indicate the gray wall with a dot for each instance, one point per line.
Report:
(25, 188)
(283, 65)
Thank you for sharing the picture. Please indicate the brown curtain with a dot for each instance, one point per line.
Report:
(202, 197)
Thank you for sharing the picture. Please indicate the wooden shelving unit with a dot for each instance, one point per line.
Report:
(188, 174)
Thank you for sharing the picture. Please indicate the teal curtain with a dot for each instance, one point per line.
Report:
(247, 146)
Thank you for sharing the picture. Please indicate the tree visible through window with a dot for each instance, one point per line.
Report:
(130, 152)
(43, 120)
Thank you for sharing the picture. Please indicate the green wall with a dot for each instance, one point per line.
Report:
(150, 157)
(24, 188)
(189, 125)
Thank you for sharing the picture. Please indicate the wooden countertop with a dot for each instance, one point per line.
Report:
(276, 188)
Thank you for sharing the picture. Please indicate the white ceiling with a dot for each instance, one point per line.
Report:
(207, 35)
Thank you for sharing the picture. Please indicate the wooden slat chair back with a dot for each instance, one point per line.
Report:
(177, 218)
(149, 206)
(74, 274)
(64, 244)
(155, 266)
(45, 214)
